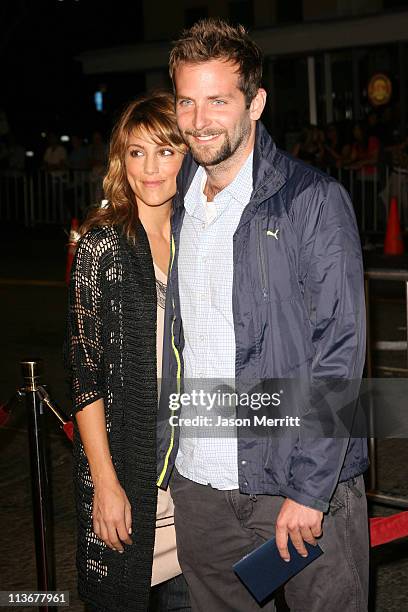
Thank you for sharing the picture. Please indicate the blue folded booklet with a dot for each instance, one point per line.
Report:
(263, 570)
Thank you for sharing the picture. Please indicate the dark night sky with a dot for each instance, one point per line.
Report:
(43, 87)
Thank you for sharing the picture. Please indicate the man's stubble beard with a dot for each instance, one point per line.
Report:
(226, 150)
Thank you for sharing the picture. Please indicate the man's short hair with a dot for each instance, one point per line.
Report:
(213, 39)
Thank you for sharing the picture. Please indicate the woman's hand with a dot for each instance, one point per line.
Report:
(112, 518)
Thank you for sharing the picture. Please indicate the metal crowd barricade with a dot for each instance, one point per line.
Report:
(373, 494)
(41, 197)
(52, 197)
(371, 193)
(15, 197)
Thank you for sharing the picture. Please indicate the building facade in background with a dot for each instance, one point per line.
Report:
(319, 56)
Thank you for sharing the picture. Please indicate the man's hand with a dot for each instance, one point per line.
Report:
(301, 523)
(112, 518)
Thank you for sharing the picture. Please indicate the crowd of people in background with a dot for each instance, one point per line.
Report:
(355, 146)
(368, 157)
(370, 151)
(345, 144)
(80, 156)
(57, 155)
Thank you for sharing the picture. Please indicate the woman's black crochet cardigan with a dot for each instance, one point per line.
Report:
(112, 355)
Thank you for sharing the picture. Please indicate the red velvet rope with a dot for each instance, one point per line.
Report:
(385, 529)
(69, 430)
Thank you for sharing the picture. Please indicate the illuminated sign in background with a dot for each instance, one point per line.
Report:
(379, 90)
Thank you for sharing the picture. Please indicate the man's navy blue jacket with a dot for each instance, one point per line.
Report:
(298, 309)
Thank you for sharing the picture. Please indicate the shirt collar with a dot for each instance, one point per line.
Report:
(240, 189)
(242, 185)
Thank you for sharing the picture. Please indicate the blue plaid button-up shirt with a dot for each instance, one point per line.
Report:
(205, 271)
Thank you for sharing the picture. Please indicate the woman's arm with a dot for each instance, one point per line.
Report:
(112, 519)
(332, 152)
(85, 359)
(370, 158)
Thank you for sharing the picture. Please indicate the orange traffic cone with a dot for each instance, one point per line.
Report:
(393, 243)
(72, 244)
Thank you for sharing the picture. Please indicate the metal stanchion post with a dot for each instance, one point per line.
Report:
(39, 480)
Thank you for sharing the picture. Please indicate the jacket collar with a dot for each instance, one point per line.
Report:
(268, 178)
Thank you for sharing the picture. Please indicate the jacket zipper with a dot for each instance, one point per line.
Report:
(177, 356)
(262, 262)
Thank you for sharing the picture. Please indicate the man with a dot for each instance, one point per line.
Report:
(265, 283)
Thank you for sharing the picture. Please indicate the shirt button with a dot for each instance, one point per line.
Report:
(202, 338)
(243, 462)
(203, 226)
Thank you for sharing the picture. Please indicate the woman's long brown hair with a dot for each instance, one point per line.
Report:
(153, 114)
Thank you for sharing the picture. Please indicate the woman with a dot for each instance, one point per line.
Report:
(115, 336)
(365, 151)
(336, 150)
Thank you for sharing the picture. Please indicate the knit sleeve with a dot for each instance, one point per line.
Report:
(84, 346)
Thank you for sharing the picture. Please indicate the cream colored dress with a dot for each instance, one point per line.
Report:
(165, 563)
